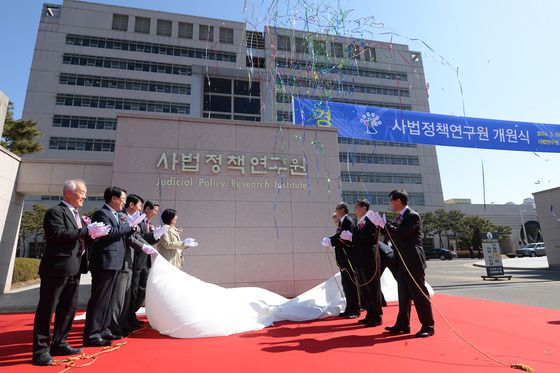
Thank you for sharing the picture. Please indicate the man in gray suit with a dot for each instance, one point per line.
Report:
(107, 258)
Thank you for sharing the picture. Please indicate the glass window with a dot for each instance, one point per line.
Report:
(247, 105)
(164, 27)
(217, 103)
(120, 22)
(254, 39)
(301, 45)
(206, 32)
(185, 30)
(226, 35)
(283, 42)
(337, 50)
(243, 87)
(142, 25)
(369, 54)
(217, 85)
(319, 47)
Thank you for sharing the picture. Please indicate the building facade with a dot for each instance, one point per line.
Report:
(92, 61)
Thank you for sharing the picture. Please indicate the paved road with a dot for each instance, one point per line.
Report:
(532, 287)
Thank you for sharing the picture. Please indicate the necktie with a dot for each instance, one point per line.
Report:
(79, 224)
(398, 219)
(147, 227)
(361, 224)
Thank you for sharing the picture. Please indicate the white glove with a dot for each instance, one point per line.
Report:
(190, 242)
(377, 219)
(326, 242)
(86, 219)
(135, 219)
(158, 232)
(149, 249)
(98, 229)
(346, 235)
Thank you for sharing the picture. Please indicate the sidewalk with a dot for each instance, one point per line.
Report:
(26, 299)
(520, 263)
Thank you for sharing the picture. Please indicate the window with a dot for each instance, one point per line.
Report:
(124, 64)
(283, 42)
(164, 27)
(142, 25)
(122, 104)
(355, 51)
(284, 116)
(337, 50)
(185, 30)
(256, 62)
(226, 35)
(152, 48)
(416, 56)
(206, 32)
(126, 84)
(319, 48)
(120, 22)
(255, 39)
(232, 99)
(369, 54)
(50, 10)
(301, 45)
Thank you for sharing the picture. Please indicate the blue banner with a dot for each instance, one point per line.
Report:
(375, 123)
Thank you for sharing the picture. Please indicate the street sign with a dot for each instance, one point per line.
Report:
(492, 256)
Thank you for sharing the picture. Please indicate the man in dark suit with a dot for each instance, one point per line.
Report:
(410, 265)
(366, 260)
(106, 260)
(141, 266)
(61, 266)
(121, 296)
(343, 250)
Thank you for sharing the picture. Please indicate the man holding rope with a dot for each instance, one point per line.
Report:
(405, 233)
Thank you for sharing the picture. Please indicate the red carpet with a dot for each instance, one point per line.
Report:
(509, 333)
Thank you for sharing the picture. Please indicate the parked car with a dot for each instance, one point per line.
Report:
(532, 249)
(443, 254)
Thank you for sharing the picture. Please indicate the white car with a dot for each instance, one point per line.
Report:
(532, 249)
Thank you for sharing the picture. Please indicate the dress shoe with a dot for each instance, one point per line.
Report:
(373, 323)
(111, 336)
(65, 350)
(398, 329)
(42, 359)
(425, 331)
(350, 315)
(96, 342)
(363, 321)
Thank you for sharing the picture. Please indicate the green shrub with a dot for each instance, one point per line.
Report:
(25, 269)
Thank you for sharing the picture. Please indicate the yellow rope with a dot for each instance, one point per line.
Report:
(70, 362)
(523, 367)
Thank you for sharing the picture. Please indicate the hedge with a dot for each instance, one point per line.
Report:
(25, 269)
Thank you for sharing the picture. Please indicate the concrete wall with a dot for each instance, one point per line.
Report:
(255, 235)
(11, 207)
(548, 210)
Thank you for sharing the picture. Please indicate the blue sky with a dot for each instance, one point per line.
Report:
(505, 51)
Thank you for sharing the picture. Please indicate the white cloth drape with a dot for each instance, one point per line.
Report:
(182, 306)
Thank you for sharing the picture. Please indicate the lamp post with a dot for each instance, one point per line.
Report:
(523, 225)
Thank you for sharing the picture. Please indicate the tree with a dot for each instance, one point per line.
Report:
(469, 231)
(31, 225)
(20, 136)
